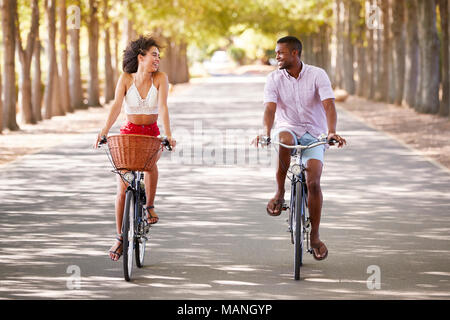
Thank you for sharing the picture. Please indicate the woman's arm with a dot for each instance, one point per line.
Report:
(114, 113)
(163, 92)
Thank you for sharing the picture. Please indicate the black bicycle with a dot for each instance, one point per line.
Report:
(135, 228)
(299, 224)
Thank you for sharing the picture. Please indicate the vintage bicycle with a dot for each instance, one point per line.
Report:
(131, 155)
(299, 224)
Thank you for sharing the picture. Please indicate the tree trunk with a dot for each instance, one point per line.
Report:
(444, 109)
(429, 43)
(392, 63)
(371, 67)
(337, 74)
(379, 59)
(76, 89)
(164, 65)
(412, 65)
(9, 11)
(324, 36)
(109, 72)
(94, 88)
(360, 49)
(349, 81)
(51, 100)
(36, 91)
(64, 82)
(1, 101)
(173, 62)
(398, 27)
(383, 78)
(128, 31)
(25, 56)
(117, 66)
(182, 74)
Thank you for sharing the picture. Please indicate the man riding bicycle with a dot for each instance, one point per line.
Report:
(301, 99)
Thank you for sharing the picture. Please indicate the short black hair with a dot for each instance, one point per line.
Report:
(293, 43)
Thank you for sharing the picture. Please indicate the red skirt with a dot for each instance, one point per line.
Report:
(146, 130)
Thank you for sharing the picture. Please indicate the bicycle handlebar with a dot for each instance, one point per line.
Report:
(164, 141)
(322, 141)
(309, 146)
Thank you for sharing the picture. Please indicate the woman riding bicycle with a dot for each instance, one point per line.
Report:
(142, 90)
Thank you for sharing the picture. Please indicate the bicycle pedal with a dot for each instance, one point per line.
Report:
(285, 207)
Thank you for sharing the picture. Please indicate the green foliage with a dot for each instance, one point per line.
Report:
(208, 24)
(237, 54)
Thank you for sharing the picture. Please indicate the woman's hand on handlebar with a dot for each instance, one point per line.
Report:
(101, 138)
(172, 142)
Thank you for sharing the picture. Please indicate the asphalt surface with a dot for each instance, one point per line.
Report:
(386, 215)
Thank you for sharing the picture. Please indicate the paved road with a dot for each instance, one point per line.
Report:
(385, 206)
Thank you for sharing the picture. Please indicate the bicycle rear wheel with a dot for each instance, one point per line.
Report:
(298, 230)
(128, 235)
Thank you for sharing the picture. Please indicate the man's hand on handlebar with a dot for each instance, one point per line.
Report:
(261, 140)
(333, 137)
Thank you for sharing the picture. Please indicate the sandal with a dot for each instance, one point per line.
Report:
(279, 203)
(120, 246)
(317, 247)
(150, 216)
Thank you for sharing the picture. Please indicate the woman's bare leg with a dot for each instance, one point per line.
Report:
(151, 183)
(120, 203)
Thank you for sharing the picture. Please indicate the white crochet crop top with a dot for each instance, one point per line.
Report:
(134, 104)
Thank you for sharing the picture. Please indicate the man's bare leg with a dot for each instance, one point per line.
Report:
(284, 161)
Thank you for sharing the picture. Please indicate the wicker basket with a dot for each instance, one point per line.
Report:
(134, 152)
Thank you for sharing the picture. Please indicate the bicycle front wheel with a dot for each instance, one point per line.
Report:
(141, 239)
(128, 234)
(298, 229)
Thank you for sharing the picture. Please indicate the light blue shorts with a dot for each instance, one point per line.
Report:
(313, 153)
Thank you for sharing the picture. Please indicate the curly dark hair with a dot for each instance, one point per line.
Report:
(139, 46)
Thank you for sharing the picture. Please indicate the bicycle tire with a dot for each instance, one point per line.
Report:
(298, 230)
(128, 235)
(291, 212)
(140, 243)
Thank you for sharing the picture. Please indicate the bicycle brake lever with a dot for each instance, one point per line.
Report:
(332, 142)
(165, 142)
(103, 141)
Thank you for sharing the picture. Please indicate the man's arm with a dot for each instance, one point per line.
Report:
(269, 116)
(330, 111)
